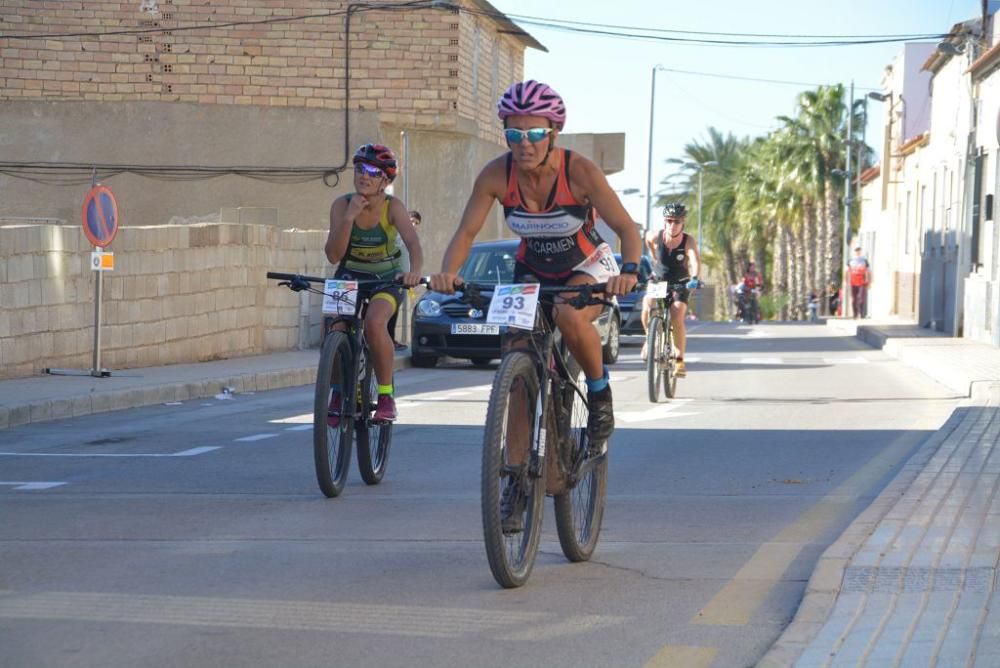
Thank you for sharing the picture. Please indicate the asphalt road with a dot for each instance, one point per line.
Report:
(194, 534)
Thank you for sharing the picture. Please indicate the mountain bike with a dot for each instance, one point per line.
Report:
(661, 356)
(536, 443)
(346, 388)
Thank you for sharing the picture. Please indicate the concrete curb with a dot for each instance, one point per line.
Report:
(17, 415)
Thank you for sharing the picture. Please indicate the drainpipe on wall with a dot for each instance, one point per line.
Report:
(303, 320)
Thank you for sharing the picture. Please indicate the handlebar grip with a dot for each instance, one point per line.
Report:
(291, 277)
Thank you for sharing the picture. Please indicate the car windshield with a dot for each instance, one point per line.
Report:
(489, 265)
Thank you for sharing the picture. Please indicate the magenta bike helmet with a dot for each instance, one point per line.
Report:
(532, 98)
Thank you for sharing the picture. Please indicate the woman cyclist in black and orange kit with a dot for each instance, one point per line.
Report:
(549, 195)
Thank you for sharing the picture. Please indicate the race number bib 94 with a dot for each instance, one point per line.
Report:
(658, 289)
(340, 298)
(514, 305)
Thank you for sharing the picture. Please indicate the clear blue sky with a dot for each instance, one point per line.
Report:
(606, 81)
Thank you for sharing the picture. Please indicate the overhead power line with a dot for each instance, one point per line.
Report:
(601, 30)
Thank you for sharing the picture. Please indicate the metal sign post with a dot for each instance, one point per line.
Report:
(100, 225)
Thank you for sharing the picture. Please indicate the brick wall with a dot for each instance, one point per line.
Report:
(413, 67)
(178, 294)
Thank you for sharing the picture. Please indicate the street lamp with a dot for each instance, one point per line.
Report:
(649, 152)
(887, 143)
(700, 167)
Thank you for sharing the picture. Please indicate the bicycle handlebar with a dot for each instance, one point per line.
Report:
(295, 281)
(585, 293)
(291, 277)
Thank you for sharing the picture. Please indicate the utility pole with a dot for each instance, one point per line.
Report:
(847, 203)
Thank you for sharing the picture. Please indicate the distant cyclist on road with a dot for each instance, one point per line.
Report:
(548, 196)
(751, 287)
(362, 242)
(675, 260)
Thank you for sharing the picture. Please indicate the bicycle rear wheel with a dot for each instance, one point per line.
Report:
(580, 509)
(669, 363)
(332, 426)
(512, 496)
(654, 357)
(374, 438)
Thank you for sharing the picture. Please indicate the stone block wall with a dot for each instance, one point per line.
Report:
(415, 66)
(178, 294)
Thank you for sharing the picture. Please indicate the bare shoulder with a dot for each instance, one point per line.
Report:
(493, 177)
(397, 208)
(339, 204)
(583, 170)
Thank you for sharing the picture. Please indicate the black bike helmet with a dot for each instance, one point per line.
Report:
(675, 210)
(378, 155)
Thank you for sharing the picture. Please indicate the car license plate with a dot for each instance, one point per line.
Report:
(474, 328)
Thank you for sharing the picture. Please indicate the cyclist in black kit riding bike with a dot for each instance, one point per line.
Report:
(548, 196)
(675, 260)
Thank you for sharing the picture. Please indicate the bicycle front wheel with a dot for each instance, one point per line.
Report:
(374, 438)
(512, 495)
(331, 418)
(654, 357)
(580, 509)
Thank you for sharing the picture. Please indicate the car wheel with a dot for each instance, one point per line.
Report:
(424, 361)
(610, 349)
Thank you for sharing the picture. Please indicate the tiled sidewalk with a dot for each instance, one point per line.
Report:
(913, 580)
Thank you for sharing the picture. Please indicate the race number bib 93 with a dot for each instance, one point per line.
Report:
(514, 305)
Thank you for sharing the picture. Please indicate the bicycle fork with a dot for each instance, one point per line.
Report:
(539, 434)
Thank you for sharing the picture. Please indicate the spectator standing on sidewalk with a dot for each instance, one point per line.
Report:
(415, 219)
(860, 275)
(833, 298)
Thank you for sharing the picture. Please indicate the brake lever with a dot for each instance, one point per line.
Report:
(472, 295)
(297, 284)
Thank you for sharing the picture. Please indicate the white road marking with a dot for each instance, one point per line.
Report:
(299, 427)
(174, 403)
(33, 485)
(571, 626)
(383, 619)
(183, 453)
(760, 360)
(845, 360)
(195, 451)
(255, 437)
(294, 419)
(657, 412)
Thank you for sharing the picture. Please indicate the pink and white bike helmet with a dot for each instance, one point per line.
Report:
(531, 98)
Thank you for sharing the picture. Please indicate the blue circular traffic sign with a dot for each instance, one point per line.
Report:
(100, 216)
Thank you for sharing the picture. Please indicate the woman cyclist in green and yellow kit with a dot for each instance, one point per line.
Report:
(362, 242)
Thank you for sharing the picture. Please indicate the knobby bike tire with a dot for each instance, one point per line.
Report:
(511, 556)
(579, 510)
(654, 355)
(332, 445)
(669, 362)
(374, 438)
